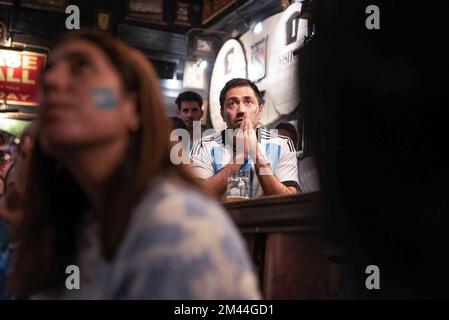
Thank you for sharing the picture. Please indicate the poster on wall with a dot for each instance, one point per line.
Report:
(258, 60)
(230, 63)
(194, 75)
(19, 71)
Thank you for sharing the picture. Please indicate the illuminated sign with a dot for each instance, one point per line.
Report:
(19, 71)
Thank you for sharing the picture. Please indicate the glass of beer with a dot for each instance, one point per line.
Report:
(238, 186)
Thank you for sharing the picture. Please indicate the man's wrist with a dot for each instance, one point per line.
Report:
(234, 166)
(262, 160)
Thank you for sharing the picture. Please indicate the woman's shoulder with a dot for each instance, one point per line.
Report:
(171, 202)
(184, 240)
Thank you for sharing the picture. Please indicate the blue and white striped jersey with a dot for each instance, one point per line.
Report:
(210, 154)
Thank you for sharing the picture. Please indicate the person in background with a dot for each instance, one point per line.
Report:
(11, 206)
(190, 109)
(102, 193)
(15, 181)
(271, 162)
(8, 148)
(309, 179)
(286, 129)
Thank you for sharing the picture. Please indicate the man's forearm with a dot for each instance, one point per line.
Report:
(268, 181)
(270, 184)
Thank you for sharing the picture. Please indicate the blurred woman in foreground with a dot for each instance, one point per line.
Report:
(103, 195)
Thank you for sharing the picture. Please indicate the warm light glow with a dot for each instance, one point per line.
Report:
(203, 64)
(11, 59)
(258, 27)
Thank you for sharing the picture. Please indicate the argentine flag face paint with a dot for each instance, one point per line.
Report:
(104, 98)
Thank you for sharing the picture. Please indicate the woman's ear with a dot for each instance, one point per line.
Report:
(132, 118)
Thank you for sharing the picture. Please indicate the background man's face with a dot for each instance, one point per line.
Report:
(287, 133)
(190, 111)
(5, 164)
(239, 101)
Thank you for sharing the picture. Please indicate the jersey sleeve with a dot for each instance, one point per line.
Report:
(287, 172)
(201, 161)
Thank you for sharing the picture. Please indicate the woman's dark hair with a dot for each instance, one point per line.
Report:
(55, 206)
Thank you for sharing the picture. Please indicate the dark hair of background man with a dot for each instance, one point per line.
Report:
(188, 96)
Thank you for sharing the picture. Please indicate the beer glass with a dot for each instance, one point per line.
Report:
(238, 186)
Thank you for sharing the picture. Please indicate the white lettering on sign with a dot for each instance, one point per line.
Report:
(13, 96)
(13, 61)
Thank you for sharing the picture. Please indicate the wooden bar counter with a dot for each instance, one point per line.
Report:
(287, 241)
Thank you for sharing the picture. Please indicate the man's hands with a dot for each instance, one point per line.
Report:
(246, 141)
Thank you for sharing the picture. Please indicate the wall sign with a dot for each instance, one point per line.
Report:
(19, 71)
(288, 36)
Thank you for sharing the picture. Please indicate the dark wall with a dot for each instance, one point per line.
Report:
(377, 102)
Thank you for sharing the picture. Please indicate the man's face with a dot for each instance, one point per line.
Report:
(190, 111)
(238, 102)
(5, 163)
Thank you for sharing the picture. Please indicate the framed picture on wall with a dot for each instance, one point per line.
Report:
(183, 13)
(202, 46)
(50, 5)
(258, 59)
(103, 20)
(146, 11)
(194, 76)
